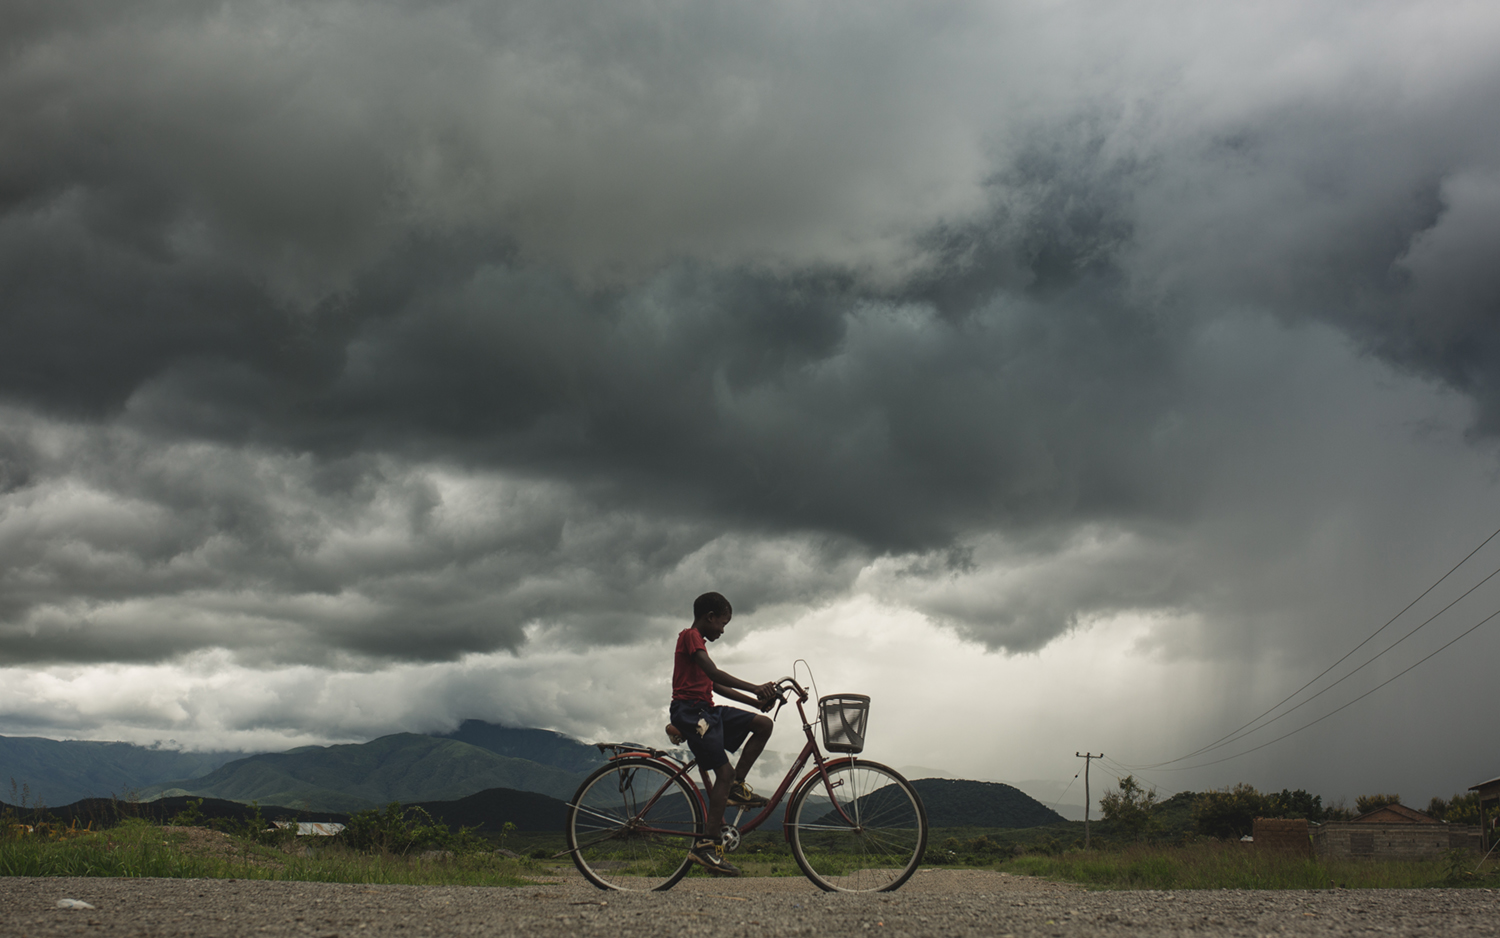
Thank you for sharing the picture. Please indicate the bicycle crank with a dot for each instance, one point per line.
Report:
(731, 837)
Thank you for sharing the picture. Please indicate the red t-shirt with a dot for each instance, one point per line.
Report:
(688, 680)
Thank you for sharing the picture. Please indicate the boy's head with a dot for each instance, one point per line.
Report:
(711, 612)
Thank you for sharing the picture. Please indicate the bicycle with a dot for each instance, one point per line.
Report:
(853, 825)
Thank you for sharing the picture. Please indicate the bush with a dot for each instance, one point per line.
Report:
(1463, 808)
(253, 828)
(1295, 804)
(1229, 813)
(401, 831)
(191, 814)
(1367, 803)
(1129, 811)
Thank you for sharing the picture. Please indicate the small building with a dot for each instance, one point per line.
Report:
(1393, 832)
(1488, 792)
(1282, 835)
(1394, 814)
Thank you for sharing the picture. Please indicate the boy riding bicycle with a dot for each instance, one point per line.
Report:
(712, 732)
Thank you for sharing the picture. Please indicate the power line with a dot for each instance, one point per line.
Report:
(1242, 733)
(1228, 737)
(1347, 705)
(1125, 770)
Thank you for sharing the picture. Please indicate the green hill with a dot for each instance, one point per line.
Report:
(106, 812)
(486, 811)
(954, 802)
(489, 810)
(63, 771)
(544, 746)
(404, 767)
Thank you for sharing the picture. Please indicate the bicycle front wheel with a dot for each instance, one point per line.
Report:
(631, 824)
(864, 831)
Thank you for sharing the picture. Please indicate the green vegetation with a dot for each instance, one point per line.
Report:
(401, 830)
(1366, 803)
(1462, 808)
(1131, 810)
(1230, 813)
(139, 848)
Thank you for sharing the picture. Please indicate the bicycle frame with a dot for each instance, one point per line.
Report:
(810, 749)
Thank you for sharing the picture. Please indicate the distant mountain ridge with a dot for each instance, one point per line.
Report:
(404, 767)
(956, 802)
(544, 746)
(51, 771)
(475, 757)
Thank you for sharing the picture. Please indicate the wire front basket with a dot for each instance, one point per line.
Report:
(845, 717)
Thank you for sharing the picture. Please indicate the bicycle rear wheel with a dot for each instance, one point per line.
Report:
(630, 826)
(867, 836)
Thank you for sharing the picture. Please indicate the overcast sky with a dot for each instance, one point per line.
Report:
(1064, 375)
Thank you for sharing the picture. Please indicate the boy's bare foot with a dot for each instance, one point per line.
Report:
(710, 853)
(675, 735)
(742, 796)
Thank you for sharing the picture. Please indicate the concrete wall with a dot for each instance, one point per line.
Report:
(1282, 835)
(1393, 841)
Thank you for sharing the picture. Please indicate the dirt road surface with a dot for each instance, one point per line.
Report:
(939, 903)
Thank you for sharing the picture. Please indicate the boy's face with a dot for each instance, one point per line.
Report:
(713, 625)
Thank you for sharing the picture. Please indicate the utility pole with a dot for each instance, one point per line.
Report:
(1087, 800)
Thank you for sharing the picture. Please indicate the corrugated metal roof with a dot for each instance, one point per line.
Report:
(311, 828)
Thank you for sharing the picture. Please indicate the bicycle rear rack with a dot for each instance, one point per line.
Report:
(620, 749)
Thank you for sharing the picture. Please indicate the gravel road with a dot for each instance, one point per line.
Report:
(939, 903)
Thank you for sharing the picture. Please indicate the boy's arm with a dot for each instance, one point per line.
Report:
(762, 703)
(762, 692)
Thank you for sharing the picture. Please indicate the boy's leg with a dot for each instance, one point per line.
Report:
(718, 797)
(760, 734)
(747, 733)
(708, 850)
(702, 725)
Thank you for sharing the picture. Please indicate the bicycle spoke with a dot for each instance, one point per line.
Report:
(866, 832)
(629, 826)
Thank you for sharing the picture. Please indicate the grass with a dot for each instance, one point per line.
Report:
(140, 849)
(136, 848)
(1216, 865)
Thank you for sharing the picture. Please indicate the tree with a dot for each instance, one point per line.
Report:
(1295, 804)
(1229, 813)
(1367, 803)
(1129, 809)
(1463, 808)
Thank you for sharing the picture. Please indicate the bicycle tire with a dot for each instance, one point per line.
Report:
(608, 821)
(879, 854)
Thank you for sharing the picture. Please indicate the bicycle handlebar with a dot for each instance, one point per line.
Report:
(790, 684)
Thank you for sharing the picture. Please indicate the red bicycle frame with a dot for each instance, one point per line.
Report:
(809, 749)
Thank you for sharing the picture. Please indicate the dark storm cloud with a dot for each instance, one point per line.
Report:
(125, 548)
(710, 297)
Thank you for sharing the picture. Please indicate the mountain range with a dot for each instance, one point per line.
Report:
(60, 772)
(471, 776)
(404, 767)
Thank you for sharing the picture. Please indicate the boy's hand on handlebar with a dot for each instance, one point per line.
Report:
(766, 696)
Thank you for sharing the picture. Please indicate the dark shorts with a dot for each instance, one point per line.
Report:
(727, 729)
